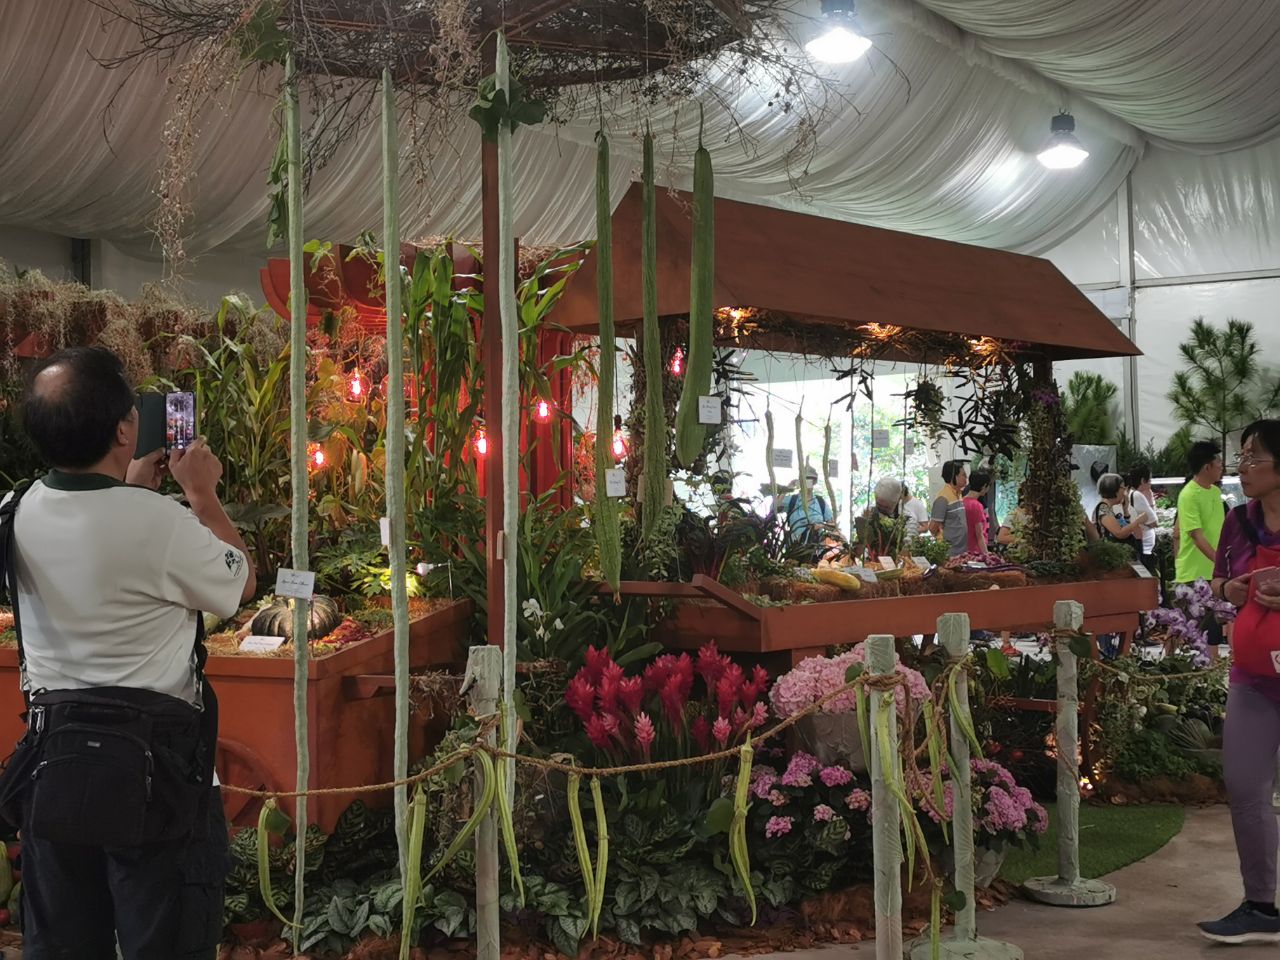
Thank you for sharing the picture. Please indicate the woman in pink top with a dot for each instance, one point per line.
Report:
(975, 514)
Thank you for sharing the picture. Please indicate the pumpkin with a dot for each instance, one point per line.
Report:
(276, 619)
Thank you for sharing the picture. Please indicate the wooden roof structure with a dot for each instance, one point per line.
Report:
(809, 284)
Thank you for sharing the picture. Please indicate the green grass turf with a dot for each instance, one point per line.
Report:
(1111, 837)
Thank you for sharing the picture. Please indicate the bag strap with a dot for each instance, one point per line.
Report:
(9, 575)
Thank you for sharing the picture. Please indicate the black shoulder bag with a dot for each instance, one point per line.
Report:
(108, 766)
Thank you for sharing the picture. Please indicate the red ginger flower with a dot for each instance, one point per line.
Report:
(721, 730)
(711, 665)
(597, 733)
(596, 660)
(645, 733)
(756, 687)
(631, 692)
(580, 695)
(728, 689)
(701, 731)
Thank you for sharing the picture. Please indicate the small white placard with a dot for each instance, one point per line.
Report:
(865, 575)
(710, 411)
(921, 562)
(299, 584)
(615, 483)
(888, 563)
(1142, 572)
(909, 446)
(879, 439)
(833, 468)
(782, 458)
(384, 528)
(261, 644)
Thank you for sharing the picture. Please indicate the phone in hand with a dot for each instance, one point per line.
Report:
(180, 420)
(1266, 577)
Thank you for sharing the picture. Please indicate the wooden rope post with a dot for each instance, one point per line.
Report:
(1068, 888)
(964, 944)
(886, 823)
(482, 683)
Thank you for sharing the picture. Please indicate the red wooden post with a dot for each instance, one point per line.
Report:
(491, 348)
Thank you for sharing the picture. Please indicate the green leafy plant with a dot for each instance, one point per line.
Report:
(1108, 555)
(1089, 408)
(1223, 385)
(933, 549)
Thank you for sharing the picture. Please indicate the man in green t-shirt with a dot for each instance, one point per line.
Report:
(1200, 513)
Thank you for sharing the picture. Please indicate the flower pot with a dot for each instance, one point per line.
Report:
(832, 738)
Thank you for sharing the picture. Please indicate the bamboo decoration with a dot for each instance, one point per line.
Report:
(608, 533)
(1068, 888)
(394, 348)
(887, 815)
(654, 475)
(298, 463)
(964, 944)
(826, 469)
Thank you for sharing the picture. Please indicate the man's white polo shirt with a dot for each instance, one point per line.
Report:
(111, 579)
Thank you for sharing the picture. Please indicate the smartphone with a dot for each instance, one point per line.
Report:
(1266, 576)
(179, 420)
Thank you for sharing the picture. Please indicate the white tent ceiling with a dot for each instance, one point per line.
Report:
(949, 154)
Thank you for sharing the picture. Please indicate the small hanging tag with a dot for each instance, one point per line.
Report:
(909, 446)
(384, 527)
(299, 584)
(854, 465)
(710, 411)
(833, 468)
(879, 438)
(615, 483)
(261, 644)
(781, 458)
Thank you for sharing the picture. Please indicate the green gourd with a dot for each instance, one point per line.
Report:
(654, 475)
(690, 434)
(276, 619)
(608, 531)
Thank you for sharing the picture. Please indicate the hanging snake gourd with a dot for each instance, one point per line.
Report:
(800, 464)
(826, 468)
(654, 475)
(690, 434)
(768, 456)
(608, 531)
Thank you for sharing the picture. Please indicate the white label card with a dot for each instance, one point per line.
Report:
(888, 563)
(909, 446)
(833, 468)
(921, 562)
(1142, 572)
(615, 483)
(781, 458)
(865, 575)
(710, 411)
(384, 527)
(261, 644)
(299, 584)
(879, 439)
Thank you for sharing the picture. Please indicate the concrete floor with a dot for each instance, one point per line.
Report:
(1194, 877)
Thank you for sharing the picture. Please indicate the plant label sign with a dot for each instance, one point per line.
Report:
(921, 563)
(299, 584)
(1142, 572)
(615, 483)
(261, 644)
(710, 411)
(909, 446)
(833, 468)
(782, 458)
(888, 563)
(384, 528)
(865, 575)
(879, 438)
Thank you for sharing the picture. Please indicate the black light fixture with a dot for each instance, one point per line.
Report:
(1063, 151)
(839, 41)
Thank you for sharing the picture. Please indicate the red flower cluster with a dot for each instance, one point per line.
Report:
(619, 712)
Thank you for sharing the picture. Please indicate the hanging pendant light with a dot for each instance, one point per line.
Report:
(542, 412)
(1064, 151)
(839, 40)
(677, 362)
(619, 438)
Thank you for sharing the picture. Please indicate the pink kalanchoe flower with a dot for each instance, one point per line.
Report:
(580, 695)
(824, 813)
(644, 733)
(596, 661)
(777, 826)
(800, 770)
(597, 732)
(701, 732)
(777, 798)
(858, 800)
(835, 776)
(631, 693)
(721, 730)
(764, 784)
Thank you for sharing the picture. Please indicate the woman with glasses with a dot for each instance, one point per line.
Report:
(1247, 573)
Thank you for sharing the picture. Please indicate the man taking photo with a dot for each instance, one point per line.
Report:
(123, 836)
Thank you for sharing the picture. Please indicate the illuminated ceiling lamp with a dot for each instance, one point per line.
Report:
(839, 41)
(1064, 151)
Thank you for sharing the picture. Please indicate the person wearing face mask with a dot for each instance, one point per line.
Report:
(1247, 574)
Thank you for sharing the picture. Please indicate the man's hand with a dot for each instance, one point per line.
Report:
(1236, 591)
(147, 471)
(197, 471)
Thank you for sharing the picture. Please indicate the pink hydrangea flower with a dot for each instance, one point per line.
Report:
(800, 770)
(763, 785)
(858, 799)
(816, 677)
(835, 776)
(824, 813)
(777, 827)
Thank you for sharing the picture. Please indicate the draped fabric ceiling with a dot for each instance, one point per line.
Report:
(935, 131)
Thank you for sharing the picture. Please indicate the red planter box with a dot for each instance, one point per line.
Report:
(351, 726)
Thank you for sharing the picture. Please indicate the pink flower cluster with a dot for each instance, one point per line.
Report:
(777, 826)
(630, 714)
(1000, 805)
(858, 799)
(817, 677)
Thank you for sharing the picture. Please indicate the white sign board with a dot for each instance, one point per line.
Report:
(879, 439)
(615, 483)
(384, 528)
(261, 644)
(782, 458)
(1142, 572)
(299, 584)
(710, 411)
(833, 468)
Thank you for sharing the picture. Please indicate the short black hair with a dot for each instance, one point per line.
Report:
(951, 468)
(1138, 474)
(73, 424)
(1265, 434)
(1109, 485)
(1201, 454)
(979, 480)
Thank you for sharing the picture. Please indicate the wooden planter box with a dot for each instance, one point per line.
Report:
(351, 723)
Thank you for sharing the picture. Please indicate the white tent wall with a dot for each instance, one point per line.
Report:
(24, 249)
(205, 280)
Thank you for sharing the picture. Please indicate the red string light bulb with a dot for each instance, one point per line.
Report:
(542, 412)
(677, 362)
(619, 438)
(481, 443)
(355, 386)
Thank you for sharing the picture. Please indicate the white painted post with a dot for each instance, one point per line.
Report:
(886, 819)
(482, 684)
(964, 944)
(1068, 889)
